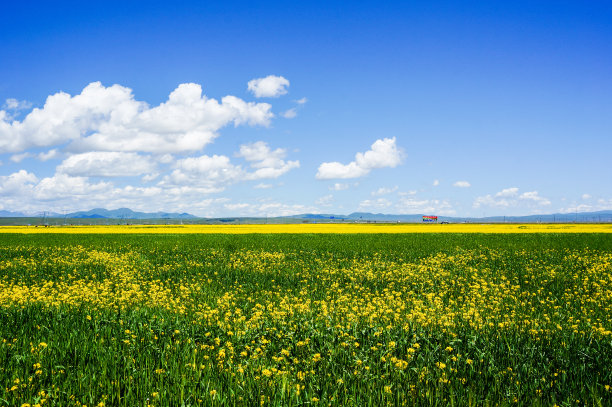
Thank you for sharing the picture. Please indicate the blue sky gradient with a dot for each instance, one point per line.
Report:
(506, 107)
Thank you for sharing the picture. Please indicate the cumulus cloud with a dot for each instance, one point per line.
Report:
(110, 119)
(509, 198)
(48, 155)
(325, 200)
(266, 162)
(508, 192)
(14, 104)
(425, 206)
(383, 153)
(375, 204)
(106, 164)
(600, 205)
(17, 183)
(271, 86)
(17, 158)
(215, 173)
(263, 185)
(267, 209)
(586, 196)
(301, 101)
(534, 196)
(339, 187)
(211, 173)
(290, 113)
(462, 184)
(384, 191)
(436, 183)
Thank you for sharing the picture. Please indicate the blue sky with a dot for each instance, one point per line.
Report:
(482, 108)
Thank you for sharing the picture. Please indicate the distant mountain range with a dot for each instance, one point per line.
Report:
(126, 213)
(101, 213)
(599, 216)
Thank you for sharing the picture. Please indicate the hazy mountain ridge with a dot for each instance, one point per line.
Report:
(126, 213)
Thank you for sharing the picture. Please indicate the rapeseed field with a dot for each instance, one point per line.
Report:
(369, 318)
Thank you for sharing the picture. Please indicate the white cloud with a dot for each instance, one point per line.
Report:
(325, 200)
(17, 158)
(384, 191)
(110, 119)
(290, 113)
(407, 193)
(301, 101)
(339, 187)
(267, 163)
(263, 186)
(48, 155)
(14, 104)
(425, 206)
(215, 173)
(17, 183)
(462, 184)
(508, 192)
(210, 173)
(436, 183)
(375, 204)
(271, 86)
(510, 198)
(63, 186)
(600, 205)
(533, 196)
(383, 153)
(586, 196)
(267, 209)
(150, 177)
(106, 164)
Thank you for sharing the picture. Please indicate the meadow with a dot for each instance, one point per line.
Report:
(313, 318)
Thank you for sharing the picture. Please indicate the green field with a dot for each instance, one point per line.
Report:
(308, 319)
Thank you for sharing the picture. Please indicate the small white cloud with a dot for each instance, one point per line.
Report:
(339, 187)
(586, 196)
(510, 198)
(375, 204)
(384, 191)
(289, 114)
(263, 186)
(533, 196)
(165, 158)
(150, 177)
(14, 104)
(268, 163)
(383, 153)
(424, 206)
(48, 155)
(325, 200)
(508, 192)
(301, 101)
(407, 193)
(271, 86)
(462, 184)
(17, 158)
(600, 205)
(436, 183)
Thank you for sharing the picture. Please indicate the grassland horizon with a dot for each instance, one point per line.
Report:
(324, 228)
